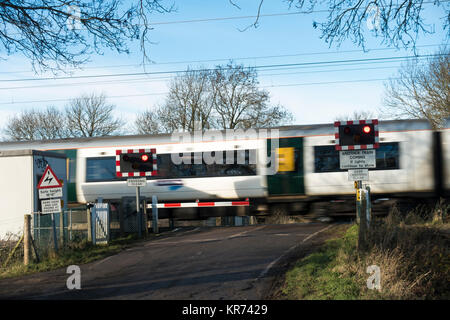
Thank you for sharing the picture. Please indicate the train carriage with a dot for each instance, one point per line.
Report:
(412, 161)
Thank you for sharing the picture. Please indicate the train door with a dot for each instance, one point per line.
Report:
(289, 179)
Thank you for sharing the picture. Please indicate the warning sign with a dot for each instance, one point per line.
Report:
(49, 179)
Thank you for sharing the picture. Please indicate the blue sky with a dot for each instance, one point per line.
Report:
(313, 94)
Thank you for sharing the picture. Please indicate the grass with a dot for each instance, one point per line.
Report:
(411, 251)
(75, 253)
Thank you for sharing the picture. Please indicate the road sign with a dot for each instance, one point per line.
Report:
(49, 179)
(51, 206)
(50, 193)
(137, 182)
(357, 159)
(358, 175)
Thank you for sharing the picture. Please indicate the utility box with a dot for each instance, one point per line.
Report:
(20, 173)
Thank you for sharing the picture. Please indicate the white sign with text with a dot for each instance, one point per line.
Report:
(357, 159)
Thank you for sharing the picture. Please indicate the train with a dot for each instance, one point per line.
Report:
(412, 162)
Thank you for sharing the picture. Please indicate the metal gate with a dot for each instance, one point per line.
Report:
(100, 223)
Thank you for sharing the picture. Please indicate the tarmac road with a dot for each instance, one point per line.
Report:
(210, 263)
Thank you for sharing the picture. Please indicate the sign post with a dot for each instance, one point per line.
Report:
(356, 142)
(138, 183)
(136, 164)
(50, 188)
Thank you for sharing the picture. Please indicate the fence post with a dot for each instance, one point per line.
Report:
(61, 228)
(155, 214)
(89, 228)
(145, 217)
(27, 240)
(363, 221)
(369, 206)
(69, 226)
(138, 212)
(55, 239)
(93, 225)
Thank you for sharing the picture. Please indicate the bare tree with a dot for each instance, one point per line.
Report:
(91, 116)
(398, 23)
(59, 32)
(227, 97)
(37, 125)
(188, 102)
(357, 115)
(240, 103)
(147, 122)
(421, 91)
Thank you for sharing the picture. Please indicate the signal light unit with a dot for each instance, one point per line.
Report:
(136, 162)
(356, 135)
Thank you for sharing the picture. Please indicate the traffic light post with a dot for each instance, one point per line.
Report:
(356, 141)
(137, 165)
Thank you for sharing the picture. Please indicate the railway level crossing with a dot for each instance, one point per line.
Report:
(137, 164)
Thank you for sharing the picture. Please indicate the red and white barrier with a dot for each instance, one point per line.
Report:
(201, 204)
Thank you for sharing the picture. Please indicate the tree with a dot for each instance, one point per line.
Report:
(227, 97)
(396, 22)
(37, 125)
(421, 91)
(91, 116)
(357, 115)
(240, 103)
(55, 33)
(147, 123)
(188, 103)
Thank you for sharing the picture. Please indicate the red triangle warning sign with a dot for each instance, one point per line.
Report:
(49, 179)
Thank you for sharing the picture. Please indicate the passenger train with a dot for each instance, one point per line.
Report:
(412, 162)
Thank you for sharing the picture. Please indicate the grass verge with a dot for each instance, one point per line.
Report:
(412, 252)
(75, 253)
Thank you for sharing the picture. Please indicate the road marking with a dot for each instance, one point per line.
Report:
(244, 232)
(162, 241)
(101, 261)
(266, 270)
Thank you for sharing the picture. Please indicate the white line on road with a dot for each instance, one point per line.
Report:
(266, 270)
(162, 241)
(244, 232)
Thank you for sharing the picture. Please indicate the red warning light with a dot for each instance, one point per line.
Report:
(144, 157)
(347, 130)
(367, 129)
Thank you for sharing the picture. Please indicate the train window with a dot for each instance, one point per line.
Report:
(239, 163)
(387, 156)
(100, 169)
(235, 163)
(326, 158)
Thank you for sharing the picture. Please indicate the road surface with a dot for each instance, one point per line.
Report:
(210, 263)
